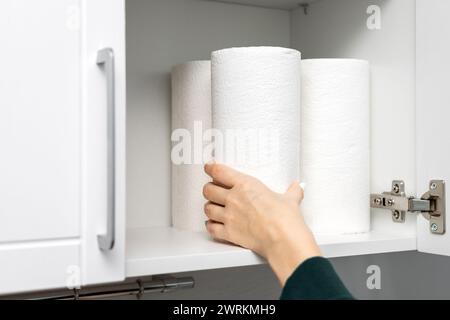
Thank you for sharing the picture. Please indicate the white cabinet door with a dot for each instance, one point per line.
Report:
(433, 111)
(52, 154)
(103, 27)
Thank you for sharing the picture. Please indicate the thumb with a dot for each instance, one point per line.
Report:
(295, 192)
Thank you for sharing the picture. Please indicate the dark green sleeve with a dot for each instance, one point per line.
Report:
(315, 279)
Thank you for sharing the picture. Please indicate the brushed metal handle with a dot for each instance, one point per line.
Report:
(105, 59)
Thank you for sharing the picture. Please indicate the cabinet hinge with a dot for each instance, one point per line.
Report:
(431, 205)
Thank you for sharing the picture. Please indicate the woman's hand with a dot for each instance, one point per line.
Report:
(243, 211)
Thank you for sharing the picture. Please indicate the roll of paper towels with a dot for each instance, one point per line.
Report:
(256, 112)
(335, 143)
(191, 116)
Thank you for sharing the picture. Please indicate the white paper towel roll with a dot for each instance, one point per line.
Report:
(256, 106)
(191, 107)
(335, 139)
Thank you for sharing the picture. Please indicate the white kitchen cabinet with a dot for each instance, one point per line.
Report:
(53, 138)
(54, 113)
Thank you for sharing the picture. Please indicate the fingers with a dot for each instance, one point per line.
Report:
(215, 212)
(295, 192)
(216, 230)
(215, 193)
(223, 175)
(217, 183)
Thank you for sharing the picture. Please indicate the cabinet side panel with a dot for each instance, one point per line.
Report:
(433, 111)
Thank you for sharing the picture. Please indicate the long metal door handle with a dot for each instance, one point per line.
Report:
(105, 58)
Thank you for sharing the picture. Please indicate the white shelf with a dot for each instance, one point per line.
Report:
(276, 4)
(161, 250)
(167, 250)
(365, 243)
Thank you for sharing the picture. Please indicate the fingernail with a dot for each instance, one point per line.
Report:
(303, 185)
(210, 162)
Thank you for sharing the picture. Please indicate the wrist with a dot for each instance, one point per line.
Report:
(295, 245)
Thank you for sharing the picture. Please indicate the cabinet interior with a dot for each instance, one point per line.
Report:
(163, 33)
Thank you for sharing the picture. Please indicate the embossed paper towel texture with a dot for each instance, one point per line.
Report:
(191, 105)
(335, 139)
(256, 96)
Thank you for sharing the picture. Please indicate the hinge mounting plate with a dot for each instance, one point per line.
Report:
(431, 205)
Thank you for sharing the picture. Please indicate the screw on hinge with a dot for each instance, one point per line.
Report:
(434, 227)
(377, 201)
(305, 7)
(433, 186)
(396, 188)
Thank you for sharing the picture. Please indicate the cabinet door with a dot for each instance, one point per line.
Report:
(103, 27)
(433, 111)
(49, 167)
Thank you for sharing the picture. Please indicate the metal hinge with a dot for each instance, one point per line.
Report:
(431, 205)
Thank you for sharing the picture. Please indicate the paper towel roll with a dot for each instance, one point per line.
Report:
(335, 139)
(256, 106)
(191, 111)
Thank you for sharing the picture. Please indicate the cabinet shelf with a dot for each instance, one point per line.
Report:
(161, 250)
(278, 4)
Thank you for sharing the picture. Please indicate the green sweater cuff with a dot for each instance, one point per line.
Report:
(315, 279)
